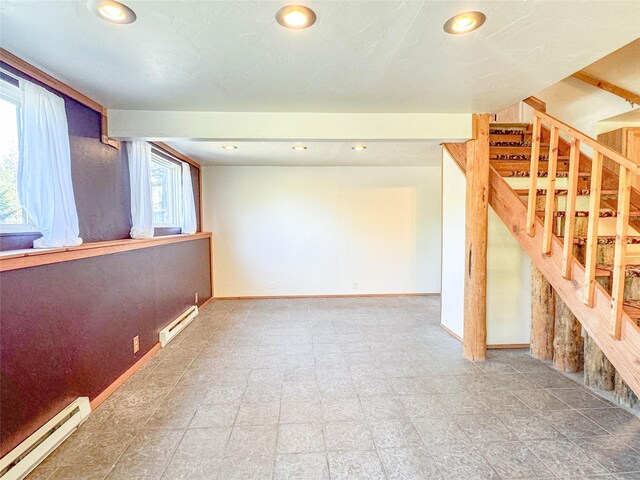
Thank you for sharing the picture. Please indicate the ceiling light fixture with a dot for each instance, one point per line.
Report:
(298, 148)
(112, 11)
(230, 147)
(464, 22)
(296, 17)
(359, 148)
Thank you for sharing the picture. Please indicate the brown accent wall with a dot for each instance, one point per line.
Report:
(67, 328)
(100, 179)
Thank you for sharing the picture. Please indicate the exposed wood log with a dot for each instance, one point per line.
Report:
(542, 315)
(624, 354)
(477, 205)
(567, 343)
(598, 371)
(623, 394)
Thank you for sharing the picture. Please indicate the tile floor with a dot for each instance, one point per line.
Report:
(360, 388)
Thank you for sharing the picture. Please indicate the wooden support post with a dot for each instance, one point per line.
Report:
(542, 315)
(598, 371)
(477, 204)
(567, 343)
(623, 394)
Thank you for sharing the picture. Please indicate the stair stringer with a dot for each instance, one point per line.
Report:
(624, 354)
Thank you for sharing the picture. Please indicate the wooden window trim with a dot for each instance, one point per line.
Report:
(37, 74)
(42, 77)
(37, 258)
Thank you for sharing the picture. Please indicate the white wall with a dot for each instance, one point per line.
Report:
(453, 245)
(322, 230)
(509, 268)
(581, 105)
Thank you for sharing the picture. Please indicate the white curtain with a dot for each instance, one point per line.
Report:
(189, 223)
(139, 154)
(44, 170)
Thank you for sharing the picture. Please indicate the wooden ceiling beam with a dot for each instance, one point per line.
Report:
(628, 95)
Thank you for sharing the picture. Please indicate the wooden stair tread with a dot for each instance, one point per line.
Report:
(517, 149)
(630, 271)
(541, 174)
(585, 214)
(522, 156)
(563, 191)
(632, 308)
(603, 240)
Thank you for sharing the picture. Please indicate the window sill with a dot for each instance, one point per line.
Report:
(26, 258)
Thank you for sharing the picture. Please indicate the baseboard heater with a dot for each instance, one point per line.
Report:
(17, 464)
(175, 327)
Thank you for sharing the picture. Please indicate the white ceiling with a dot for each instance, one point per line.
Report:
(360, 56)
(330, 153)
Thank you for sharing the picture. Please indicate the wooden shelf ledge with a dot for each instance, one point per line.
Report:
(35, 257)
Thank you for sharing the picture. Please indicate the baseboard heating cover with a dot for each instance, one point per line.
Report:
(17, 464)
(175, 327)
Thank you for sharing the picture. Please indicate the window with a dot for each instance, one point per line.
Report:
(13, 218)
(166, 191)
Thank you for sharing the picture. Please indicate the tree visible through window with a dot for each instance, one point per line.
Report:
(165, 191)
(12, 216)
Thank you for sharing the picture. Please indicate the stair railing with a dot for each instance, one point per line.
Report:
(627, 169)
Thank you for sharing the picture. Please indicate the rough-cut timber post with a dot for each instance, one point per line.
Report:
(567, 343)
(598, 371)
(477, 204)
(542, 315)
(624, 395)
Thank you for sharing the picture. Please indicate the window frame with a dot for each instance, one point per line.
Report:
(175, 200)
(12, 93)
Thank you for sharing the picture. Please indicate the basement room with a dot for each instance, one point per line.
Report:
(319, 240)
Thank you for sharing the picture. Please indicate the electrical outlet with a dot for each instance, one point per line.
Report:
(272, 284)
(355, 285)
(196, 299)
(136, 344)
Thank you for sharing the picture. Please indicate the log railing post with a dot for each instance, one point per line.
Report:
(550, 202)
(533, 175)
(592, 229)
(570, 210)
(619, 262)
(477, 205)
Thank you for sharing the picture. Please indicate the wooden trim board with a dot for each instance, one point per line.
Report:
(124, 377)
(366, 295)
(490, 346)
(52, 82)
(627, 95)
(451, 332)
(87, 250)
(176, 153)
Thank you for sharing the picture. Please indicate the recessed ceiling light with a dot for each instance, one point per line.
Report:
(229, 147)
(298, 148)
(464, 22)
(359, 148)
(296, 17)
(112, 11)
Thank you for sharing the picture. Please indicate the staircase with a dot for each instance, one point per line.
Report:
(557, 201)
